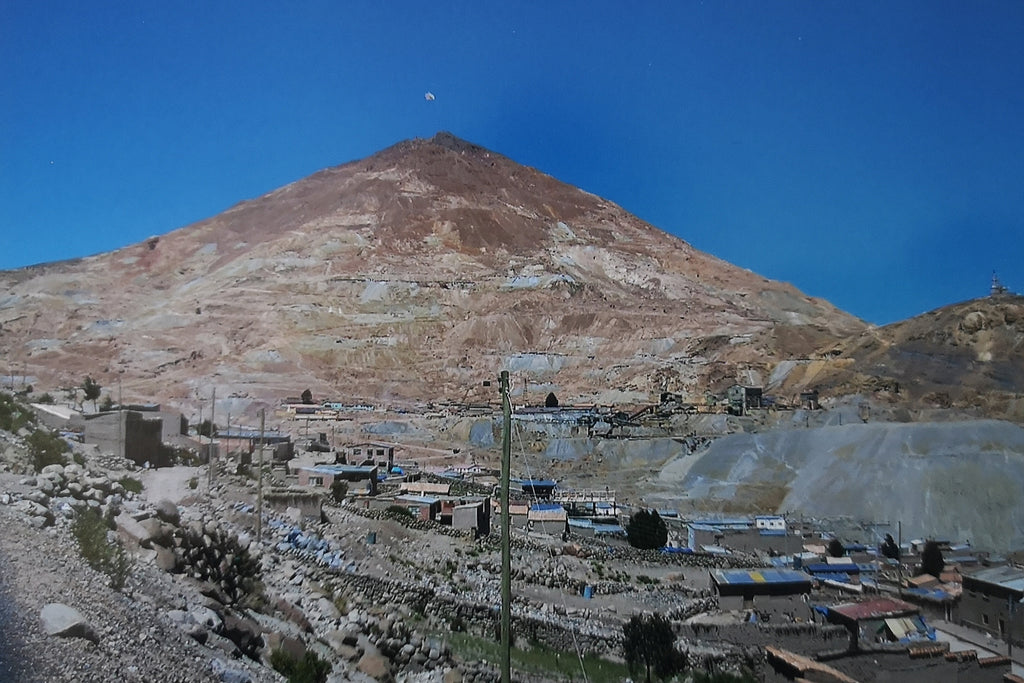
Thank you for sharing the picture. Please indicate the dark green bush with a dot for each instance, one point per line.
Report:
(131, 484)
(310, 669)
(13, 413)
(339, 489)
(398, 510)
(102, 554)
(46, 448)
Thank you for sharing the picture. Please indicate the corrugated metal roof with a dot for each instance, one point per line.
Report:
(422, 500)
(341, 469)
(545, 507)
(822, 568)
(1007, 577)
(873, 609)
(759, 576)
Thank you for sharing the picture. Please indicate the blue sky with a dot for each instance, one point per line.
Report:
(871, 153)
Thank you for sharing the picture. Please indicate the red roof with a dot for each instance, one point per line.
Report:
(881, 608)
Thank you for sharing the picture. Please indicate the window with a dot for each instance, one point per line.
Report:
(984, 619)
(316, 481)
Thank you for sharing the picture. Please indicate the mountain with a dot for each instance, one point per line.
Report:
(411, 276)
(967, 356)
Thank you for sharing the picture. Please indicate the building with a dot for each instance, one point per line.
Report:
(537, 488)
(993, 601)
(748, 584)
(475, 515)
(883, 620)
(362, 479)
(741, 399)
(548, 518)
(426, 508)
(366, 453)
(129, 434)
(770, 523)
(277, 446)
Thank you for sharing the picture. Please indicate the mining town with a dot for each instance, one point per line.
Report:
(336, 540)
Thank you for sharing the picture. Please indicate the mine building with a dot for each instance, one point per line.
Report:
(742, 399)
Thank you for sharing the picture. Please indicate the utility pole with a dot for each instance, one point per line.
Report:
(212, 448)
(506, 554)
(259, 494)
(120, 421)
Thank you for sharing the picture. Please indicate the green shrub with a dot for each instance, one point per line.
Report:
(193, 483)
(339, 489)
(102, 554)
(131, 484)
(45, 398)
(46, 448)
(647, 530)
(310, 669)
(13, 414)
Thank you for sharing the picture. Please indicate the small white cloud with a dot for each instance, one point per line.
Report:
(429, 97)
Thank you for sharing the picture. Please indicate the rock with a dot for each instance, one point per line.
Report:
(328, 609)
(245, 633)
(178, 616)
(37, 496)
(66, 622)
(165, 558)
(168, 512)
(53, 469)
(453, 676)
(159, 532)
(376, 666)
(227, 674)
(130, 530)
(207, 618)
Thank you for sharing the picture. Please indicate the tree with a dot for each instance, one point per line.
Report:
(835, 548)
(650, 644)
(551, 401)
(206, 428)
(646, 530)
(339, 489)
(91, 390)
(107, 403)
(307, 397)
(931, 559)
(889, 548)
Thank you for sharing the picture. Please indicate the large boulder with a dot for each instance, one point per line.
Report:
(168, 512)
(376, 666)
(66, 622)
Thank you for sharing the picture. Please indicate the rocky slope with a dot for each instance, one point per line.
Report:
(967, 356)
(409, 276)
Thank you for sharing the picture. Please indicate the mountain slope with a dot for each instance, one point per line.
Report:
(411, 275)
(968, 356)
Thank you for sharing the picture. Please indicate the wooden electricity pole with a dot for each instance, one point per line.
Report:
(259, 493)
(506, 555)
